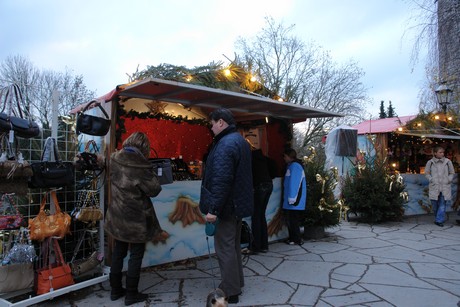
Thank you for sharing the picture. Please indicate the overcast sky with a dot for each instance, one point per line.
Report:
(104, 40)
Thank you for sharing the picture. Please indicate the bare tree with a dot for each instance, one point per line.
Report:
(306, 75)
(38, 87)
(438, 25)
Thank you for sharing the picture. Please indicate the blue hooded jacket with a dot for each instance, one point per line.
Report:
(293, 180)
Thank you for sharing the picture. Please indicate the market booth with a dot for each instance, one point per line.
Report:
(408, 150)
(174, 116)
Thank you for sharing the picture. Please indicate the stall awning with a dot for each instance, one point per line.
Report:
(431, 135)
(244, 106)
(382, 125)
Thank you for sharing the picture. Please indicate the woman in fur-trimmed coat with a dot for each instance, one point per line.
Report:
(131, 218)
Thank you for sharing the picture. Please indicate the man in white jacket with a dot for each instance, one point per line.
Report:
(440, 172)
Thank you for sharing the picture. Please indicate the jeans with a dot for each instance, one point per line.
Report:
(262, 194)
(439, 208)
(136, 253)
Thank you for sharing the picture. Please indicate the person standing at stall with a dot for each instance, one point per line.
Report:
(227, 196)
(440, 173)
(294, 195)
(130, 217)
(263, 186)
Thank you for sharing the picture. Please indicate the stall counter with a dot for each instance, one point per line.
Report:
(178, 212)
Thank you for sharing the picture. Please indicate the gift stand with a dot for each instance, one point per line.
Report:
(68, 197)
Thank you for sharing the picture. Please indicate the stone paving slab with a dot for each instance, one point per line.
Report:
(409, 263)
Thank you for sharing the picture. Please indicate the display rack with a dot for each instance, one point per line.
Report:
(28, 205)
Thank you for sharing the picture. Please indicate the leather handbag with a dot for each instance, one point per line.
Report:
(16, 274)
(54, 225)
(87, 209)
(12, 163)
(14, 277)
(52, 276)
(163, 170)
(49, 174)
(90, 160)
(10, 217)
(90, 124)
(84, 265)
(15, 119)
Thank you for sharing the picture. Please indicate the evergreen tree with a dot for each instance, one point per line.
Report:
(391, 111)
(382, 110)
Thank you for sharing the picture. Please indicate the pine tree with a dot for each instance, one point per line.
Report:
(382, 110)
(391, 111)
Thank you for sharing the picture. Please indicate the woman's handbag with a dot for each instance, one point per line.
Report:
(87, 209)
(14, 277)
(10, 217)
(54, 225)
(12, 163)
(84, 265)
(52, 276)
(88, 161)
(23, 251)
(48, 174)
(90, 124)
(12, 117)
(17, 274)
(14, 170)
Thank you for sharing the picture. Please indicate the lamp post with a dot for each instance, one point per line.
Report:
(443, 95)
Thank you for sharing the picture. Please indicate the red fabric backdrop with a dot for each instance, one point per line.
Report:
(170, 138)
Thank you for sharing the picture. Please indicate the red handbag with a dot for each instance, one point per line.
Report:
(10, 218)
(52, 276)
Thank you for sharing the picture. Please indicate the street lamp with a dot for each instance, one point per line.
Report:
(444, 95)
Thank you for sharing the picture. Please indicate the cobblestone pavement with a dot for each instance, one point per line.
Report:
(409, 263)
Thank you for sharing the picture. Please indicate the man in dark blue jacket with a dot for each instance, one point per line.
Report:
(227, 196)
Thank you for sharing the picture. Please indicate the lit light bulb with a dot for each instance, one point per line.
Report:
(436, 117)
(253, 79)
(227, 72)
(280, 99)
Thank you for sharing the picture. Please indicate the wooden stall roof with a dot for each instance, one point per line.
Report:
(244, 106)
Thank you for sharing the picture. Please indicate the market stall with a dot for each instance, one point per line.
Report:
(174, 116)
(407, 150)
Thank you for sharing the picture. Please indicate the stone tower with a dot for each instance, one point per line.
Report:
(449, 45)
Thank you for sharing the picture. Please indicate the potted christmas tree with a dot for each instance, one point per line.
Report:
(322, 210)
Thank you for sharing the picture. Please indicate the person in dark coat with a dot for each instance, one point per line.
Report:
(227, 196)
(130, 217)
(263, 186)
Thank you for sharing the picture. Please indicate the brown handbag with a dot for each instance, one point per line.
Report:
(54, 225)
(87, 209)
(52, 276)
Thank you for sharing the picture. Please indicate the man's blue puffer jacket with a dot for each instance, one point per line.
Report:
(226, 189)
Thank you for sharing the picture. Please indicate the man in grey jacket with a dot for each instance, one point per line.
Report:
(440, 172)
(227, 196)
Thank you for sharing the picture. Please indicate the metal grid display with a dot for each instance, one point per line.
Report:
(29, 205)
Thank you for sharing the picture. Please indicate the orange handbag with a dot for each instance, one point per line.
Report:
(54, 225)
(52, 276)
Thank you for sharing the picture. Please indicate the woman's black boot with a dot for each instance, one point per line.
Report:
(132, 295)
